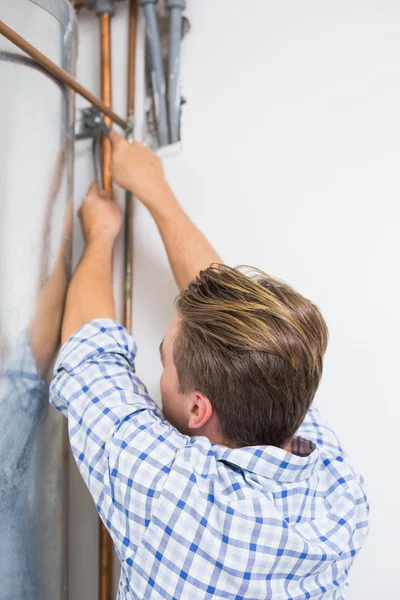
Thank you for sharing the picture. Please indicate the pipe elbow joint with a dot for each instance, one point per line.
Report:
(177, 4)
(102, 7)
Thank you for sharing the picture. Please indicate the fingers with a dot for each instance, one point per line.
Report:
(116, 138)
(93, 189)
(104, 196)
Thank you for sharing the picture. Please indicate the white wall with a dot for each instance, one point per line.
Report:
(289, 163)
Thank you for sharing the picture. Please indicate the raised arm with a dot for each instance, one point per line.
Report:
(123, 447)
(138, 169)
(90, 294)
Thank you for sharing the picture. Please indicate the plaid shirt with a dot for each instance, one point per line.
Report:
(191, 519)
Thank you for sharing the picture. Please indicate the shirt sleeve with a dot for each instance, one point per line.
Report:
(123, 447)
(315, 429)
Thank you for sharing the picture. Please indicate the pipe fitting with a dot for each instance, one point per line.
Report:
(144, 2)
(102, 7)
(177, 4)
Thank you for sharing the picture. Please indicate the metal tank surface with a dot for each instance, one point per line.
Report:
(36, 161)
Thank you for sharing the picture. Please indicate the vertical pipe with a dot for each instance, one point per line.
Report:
(154, 45)
(105, 36)
(132, 56)
(105, 543)
(128, 240)
(105, 563)
(176, 7)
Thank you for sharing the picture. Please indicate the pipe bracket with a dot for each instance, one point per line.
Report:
(91, 125)
(102, 7)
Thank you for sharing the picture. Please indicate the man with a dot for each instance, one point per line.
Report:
(239, 489)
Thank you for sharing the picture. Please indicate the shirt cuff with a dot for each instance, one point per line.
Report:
(101, 336)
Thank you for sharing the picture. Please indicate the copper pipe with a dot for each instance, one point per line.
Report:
(105, 542)
(128, 261)
(77, 4)
(128, 239)
(59, 74)
(105, 41)
(105, 563)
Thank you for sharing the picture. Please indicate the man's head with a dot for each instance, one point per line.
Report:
(242, 358)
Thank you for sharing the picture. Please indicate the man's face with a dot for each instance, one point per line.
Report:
(175, 405)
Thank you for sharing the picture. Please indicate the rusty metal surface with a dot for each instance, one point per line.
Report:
(36, 116)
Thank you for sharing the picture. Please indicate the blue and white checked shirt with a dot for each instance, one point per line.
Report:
(194, 520)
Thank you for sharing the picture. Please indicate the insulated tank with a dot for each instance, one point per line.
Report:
(36, 162)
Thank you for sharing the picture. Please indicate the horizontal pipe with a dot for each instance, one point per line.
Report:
(59, 74)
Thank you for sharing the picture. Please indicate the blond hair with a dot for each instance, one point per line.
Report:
(254, 346)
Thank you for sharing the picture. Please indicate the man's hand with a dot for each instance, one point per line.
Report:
(100, 216)
(140, 171)
(137, 169)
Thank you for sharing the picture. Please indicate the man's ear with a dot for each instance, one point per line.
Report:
(200, 411)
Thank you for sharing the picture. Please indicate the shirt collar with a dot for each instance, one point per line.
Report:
(271, 462)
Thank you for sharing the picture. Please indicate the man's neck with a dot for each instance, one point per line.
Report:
(229, 444)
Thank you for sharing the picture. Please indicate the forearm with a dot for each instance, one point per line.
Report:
(138, 169)
(188, 249)
(46, 326)
(90, 295)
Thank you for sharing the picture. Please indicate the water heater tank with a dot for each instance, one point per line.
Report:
(36, 161)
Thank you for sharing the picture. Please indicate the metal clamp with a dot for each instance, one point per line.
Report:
(129, 133)
(91, 121)
(92, 126)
